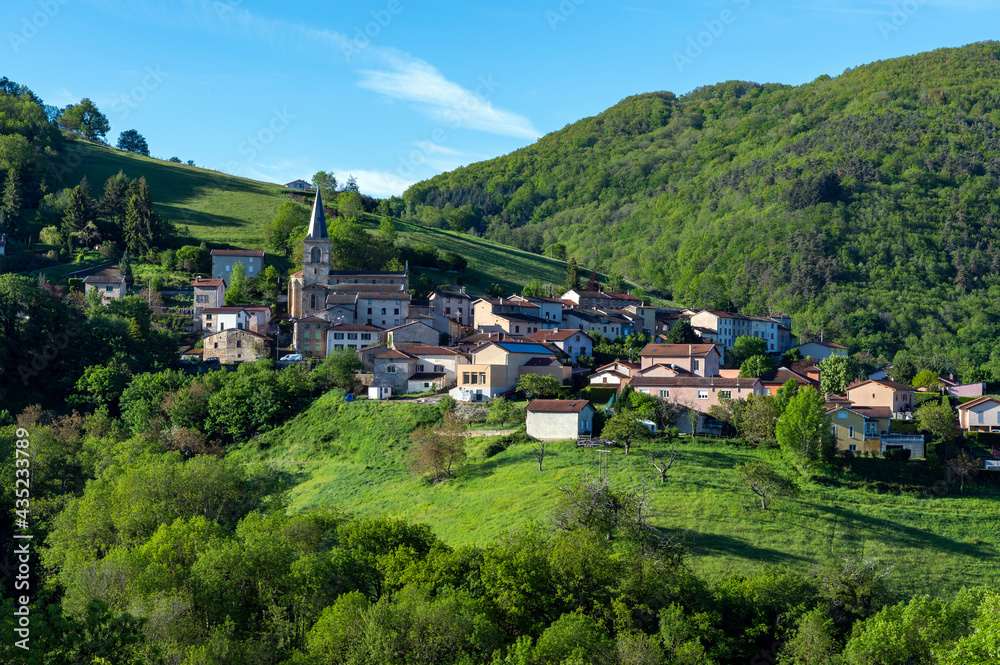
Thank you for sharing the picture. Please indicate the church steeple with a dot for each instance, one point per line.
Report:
(317, 223)
(316, 250)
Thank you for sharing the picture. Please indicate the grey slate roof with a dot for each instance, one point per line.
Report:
(317, 223)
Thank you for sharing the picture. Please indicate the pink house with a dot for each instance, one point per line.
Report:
(698, 394)
(698, 359)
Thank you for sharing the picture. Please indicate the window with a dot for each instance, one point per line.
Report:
(447, 310)
(391, 369)
(664, 393)
(227, 268)
(369, 302)
(465, 377)
(208, 317)
(438, 368)
(201, 298)
(397, 302)
(338, 335)
(369, 311)
(216, 345)
(312, 301)
(482, 378)
(517, 329)
(420, 369)
(338, 347)
(695, 365)
(702, 394)
(383, 311)
(725, 394)
(980, 417)
(852, 447)
(366, 336)
(850, 432)
(109, 289)
(395, 322)
(842, 414)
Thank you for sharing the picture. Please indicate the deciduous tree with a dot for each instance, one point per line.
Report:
(760, 478)
(803, 432)
(132, 141)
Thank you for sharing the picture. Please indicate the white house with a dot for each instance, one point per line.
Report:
(821, 350)
(574, 343)
(560, 420)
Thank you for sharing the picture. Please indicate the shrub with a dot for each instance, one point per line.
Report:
(898, 454)
(494, 447)
(447, 403)
(157, 283)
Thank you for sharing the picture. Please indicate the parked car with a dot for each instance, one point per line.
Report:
(211, 361)
(292, 356)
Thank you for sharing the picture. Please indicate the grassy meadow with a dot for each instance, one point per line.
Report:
(354, 456)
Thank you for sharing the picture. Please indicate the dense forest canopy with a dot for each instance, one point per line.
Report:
(866, 205)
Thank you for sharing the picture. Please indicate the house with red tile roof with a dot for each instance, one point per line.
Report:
(698, 359)
(560, 420)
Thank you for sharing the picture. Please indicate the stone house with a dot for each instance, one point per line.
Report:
(235, 345)
(207, 293)
(309, 336)
(413, 333)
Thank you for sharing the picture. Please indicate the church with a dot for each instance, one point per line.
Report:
(318, 294)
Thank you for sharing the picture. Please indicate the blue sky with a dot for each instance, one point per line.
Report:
(395, 91)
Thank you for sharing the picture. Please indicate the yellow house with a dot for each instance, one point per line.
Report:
(860, 429)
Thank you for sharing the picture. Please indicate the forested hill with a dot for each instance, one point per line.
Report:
(865, 205)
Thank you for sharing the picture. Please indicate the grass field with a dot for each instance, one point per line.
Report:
(215, 207)
(354, 456)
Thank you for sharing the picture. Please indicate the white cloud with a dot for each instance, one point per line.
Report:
(417, 81)
(380, 183)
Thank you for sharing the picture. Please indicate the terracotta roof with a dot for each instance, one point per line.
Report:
(559, 335)
(411, 323)
(394, 355)
(873, 411)
(235, 309)
(431, 351)
(238, 252)
(674, 368)
(977, 402)
(621, 296)
(558, 405)
(609, 371)
(830, 345)
(208, 283)
(354, 327)
(895, 385)
(693, 382)
(783, 374)
(677, 350)
(311, 319)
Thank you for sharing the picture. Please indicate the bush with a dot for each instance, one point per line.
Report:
(156, 283)
(447, 403)
(898, 454)
(494, 448)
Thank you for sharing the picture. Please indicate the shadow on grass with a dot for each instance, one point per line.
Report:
(714, 543)
(492, 465)
(899, 534)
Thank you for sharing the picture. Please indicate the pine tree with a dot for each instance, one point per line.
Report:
(572, 275)
(113, 204)
(10, 210)
(79, 211)
(141, 221)
(125, 267)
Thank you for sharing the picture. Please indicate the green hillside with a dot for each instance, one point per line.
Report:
(216, 207)
(353, 455)
(229, 210)
(866, 205)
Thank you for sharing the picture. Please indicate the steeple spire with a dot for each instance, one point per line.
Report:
(317, 223)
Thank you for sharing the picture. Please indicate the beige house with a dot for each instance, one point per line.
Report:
(496, 368)
(981, 415)
(560, 420)
(235, 346)
(898, 397)
(112, 287)
(698, 359)
(439, 360)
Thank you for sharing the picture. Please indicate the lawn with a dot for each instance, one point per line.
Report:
(354, 456)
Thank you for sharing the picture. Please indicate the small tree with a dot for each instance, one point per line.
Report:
(538, 450)
(837, 372)
(926, 379)
(624, 428)
(437, 451)
(803, 431)
(756, 366)
(387, 231)
(682, 333)
(572, 275)
(542, 386)
(662, 461)
(236, 294)
(500, 411)
(961, 467)
(133, 141)
(745, 347)
(938, 419)
(761, 479)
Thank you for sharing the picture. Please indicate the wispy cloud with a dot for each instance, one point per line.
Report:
(414, 80)
(388, 71)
